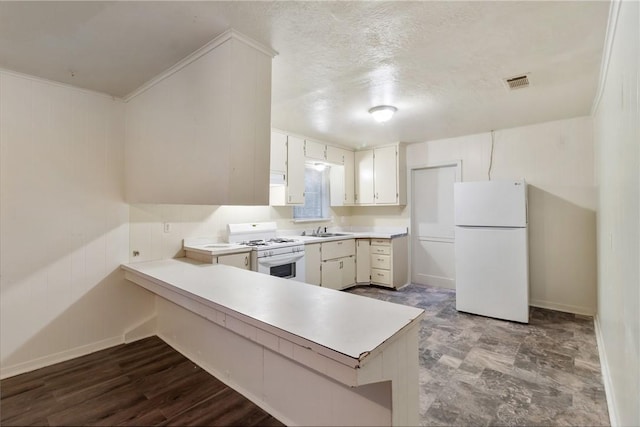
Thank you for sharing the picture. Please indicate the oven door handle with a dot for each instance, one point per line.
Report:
(274, 261)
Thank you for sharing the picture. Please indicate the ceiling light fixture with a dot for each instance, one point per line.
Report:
(382, 113)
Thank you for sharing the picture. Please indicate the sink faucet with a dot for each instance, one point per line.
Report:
(317, 231)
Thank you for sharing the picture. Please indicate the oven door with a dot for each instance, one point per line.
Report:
(287, 266)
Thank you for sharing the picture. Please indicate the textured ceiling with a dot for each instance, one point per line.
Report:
(440, 63)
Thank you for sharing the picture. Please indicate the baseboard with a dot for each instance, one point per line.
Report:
(62, 356)
(575, 309)
(144, 329)
(606, 375)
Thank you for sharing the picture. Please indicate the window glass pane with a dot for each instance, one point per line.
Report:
(316, 196)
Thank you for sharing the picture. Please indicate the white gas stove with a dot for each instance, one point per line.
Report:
(273, 255)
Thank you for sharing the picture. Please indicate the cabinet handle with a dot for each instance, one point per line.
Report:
(379, 259)
(340, 264)
(246, 260)
(380, 274)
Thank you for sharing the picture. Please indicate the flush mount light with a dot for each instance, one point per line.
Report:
(382, 113)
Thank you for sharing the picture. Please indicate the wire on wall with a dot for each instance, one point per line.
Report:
(491, 155)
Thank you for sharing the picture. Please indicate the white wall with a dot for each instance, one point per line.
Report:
(617, 136)
(150, 240)
(64, 225)
(556, 159)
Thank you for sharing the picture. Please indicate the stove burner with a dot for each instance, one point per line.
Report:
(255, 243)
(281, 240)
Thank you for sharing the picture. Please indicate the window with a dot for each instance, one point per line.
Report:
(316, 195)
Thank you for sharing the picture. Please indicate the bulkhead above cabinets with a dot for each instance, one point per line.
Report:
(199, 134)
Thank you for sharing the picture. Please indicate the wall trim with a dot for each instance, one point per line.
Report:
(566, 308)
(62, 356)
(606, 374)
(55, 83)
(614, 10)
(194, 56)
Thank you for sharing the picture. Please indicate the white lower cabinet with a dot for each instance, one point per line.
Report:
(389, 262)
(363, 261)
(313, 263)
(339, 273)
(340, 264)
(331, 264)
(242, 260)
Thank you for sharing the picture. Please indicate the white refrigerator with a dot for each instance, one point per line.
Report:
(491, 249)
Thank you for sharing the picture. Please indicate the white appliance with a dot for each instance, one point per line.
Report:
(271, 254)
(491, 249)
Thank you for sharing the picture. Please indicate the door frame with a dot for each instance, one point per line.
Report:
(410, 170)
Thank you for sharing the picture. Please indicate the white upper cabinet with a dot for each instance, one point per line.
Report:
(385, 175)
(295, 167)
(341, 176)
(200, 134)
(335, 155)
(290, 189)
(381, 176)
(315, 150)
(278, 153)
(364, 192)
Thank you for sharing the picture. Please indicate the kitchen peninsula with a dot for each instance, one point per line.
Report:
(306, 354)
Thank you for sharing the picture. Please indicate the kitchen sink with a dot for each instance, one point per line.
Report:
(331, 234)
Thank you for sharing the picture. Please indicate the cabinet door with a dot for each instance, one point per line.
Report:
(312, 264)
(386, 175)
(335, 155)
(364, 177)
(363, 261)
(349, 176)
(242, 260)
(278, 153)
(295, 171)
(337, 185)
(332, 274)
(348, 269)
(314, 150)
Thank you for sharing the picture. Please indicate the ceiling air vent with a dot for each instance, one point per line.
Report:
(517, 82)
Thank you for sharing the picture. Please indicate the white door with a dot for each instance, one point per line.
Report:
(385, 175)
(432, 225)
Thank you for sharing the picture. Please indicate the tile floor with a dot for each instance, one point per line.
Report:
(481, 371)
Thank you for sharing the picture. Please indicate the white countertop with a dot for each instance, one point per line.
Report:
(349, 324)
(373, 233)
(212, 247)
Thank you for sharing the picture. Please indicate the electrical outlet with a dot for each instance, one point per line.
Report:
(167, 227)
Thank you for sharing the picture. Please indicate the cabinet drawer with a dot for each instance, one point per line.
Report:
(338, 249)
(380, 276)
(380, 242)
(381, 250)
(381, 261)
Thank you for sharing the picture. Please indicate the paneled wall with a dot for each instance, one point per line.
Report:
(556, 159)
(64, 225)
(617, 136)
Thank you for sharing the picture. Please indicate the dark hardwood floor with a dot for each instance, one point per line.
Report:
(143, 383)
